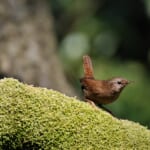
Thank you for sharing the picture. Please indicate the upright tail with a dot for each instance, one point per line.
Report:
(87, 67)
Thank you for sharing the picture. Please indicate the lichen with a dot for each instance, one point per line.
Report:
(39, 118)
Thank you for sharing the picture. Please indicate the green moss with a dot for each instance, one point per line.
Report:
(39, 118)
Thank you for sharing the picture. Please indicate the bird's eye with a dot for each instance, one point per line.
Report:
(119, 82)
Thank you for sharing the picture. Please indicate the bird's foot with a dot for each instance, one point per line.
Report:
(106, 109)
(92, 103)
(99, 106)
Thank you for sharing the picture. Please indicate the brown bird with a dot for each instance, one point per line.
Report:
(99, 92)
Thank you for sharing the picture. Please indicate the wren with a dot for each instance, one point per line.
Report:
(100, 92)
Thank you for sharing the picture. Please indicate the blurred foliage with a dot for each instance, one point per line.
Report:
(116, 35)
(123, 24)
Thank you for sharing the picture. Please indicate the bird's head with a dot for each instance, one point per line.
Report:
(118, 83)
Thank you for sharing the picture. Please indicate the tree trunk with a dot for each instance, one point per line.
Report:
(28, 44)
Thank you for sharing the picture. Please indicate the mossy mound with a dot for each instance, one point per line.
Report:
(38, 118)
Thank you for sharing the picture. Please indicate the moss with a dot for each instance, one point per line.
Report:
(38, 118)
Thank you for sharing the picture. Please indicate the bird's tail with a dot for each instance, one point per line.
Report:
(87, 67)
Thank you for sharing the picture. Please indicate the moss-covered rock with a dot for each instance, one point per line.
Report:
(38, 118)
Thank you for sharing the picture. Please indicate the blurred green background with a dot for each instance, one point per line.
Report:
(116, 34)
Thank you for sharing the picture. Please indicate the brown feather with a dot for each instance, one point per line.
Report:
(87, 67)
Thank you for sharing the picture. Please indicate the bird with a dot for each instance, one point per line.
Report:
(100, 92)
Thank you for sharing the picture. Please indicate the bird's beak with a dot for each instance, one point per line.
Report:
(130, 82)
(125, 82)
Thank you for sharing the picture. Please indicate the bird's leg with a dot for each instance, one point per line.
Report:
(97, 107)
(91, 103)
(106, 109)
